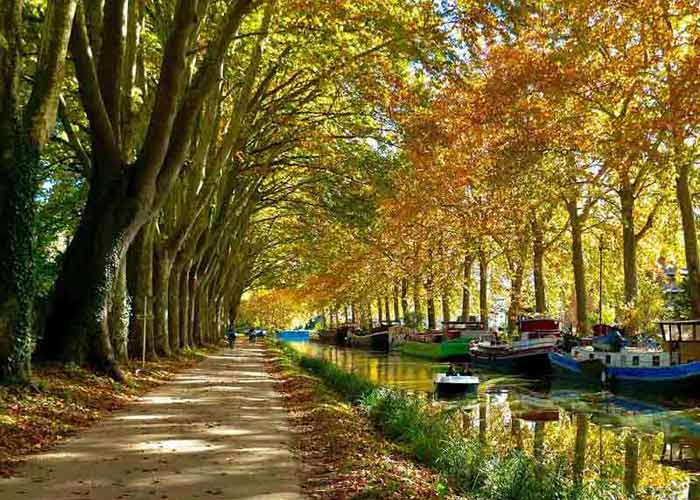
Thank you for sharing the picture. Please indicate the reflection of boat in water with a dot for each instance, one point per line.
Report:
(538, 337)
(455, 385)
(674, 367)
(533, 408)
(682, 453)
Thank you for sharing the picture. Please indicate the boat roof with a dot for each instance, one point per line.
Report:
(679, 322)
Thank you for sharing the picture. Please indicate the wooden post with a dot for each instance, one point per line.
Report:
(145, 325)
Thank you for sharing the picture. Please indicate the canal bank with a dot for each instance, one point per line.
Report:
(521, 439)
(342, 454)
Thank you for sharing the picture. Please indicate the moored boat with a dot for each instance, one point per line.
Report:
(378, 338)
(455, 385)
(673, 366)
(529, 354)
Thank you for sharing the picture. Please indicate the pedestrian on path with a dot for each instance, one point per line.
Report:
(231, 336)
(252, 336)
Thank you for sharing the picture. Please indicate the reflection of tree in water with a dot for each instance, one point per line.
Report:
(631, 463)
(580, 448)
(483, 426)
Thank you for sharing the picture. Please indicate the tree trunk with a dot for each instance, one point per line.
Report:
(185, 301)
(431, 304)
(23, 133)
(629, 244)
(404, 298)
(416, 304)
(516, 294)
(139, 268)
(387, 309)
(162, 266)
(119, 316)
(174, 309)
(466, 285)
(538, 267)
(192, 292)
(483, 289)
(445, 298)
(379, 309)
(111, 220)
(397, 315)
(19, 165)
(578, 264)
(690, 236)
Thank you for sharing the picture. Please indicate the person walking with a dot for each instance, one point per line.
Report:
(252, 336)
(231, 336)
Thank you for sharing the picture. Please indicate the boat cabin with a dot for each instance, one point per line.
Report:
(681, 339)
(538, 328)
(627, 357)
(471, 329)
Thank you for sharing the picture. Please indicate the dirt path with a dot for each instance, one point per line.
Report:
(217, 431)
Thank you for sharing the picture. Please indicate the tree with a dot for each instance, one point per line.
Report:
(24, 131)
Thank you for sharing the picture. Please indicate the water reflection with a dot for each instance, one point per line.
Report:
(646, 448)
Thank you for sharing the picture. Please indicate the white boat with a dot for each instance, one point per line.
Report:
(453, 385)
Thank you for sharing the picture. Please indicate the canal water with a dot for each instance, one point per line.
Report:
(648, 446)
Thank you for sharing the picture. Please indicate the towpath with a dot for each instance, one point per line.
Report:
(217, 431)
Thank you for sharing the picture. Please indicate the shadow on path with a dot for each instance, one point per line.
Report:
(218, 430)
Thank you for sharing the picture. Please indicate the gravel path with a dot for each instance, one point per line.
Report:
(217, 431)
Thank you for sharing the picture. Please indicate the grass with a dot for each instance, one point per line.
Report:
(428, 433)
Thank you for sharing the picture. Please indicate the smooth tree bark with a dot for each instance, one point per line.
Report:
(516, 264)
(466, 285)
(538, 251)
(139, 277)
(24, 131)
(578, 264)
(445, 301)
(404, 298)
(430, 300)
(395, 296)
(629, 244)
(690, 235)
(483, 289)
(416, 303)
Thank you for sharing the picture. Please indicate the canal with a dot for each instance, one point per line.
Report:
(649, 446)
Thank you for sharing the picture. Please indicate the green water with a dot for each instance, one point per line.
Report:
(649, 447)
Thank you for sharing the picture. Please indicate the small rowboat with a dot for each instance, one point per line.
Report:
(455, 385)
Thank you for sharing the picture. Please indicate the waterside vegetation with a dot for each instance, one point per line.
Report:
(444, 438)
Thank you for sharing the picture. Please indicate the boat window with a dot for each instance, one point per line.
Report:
(687, 332)
(607, 359)
(656, 361)
(591, 356)
(635, 360)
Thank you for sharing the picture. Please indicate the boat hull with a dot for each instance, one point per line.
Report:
(376, 341)
(446, 386)
(676, 377)
(528, 361)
